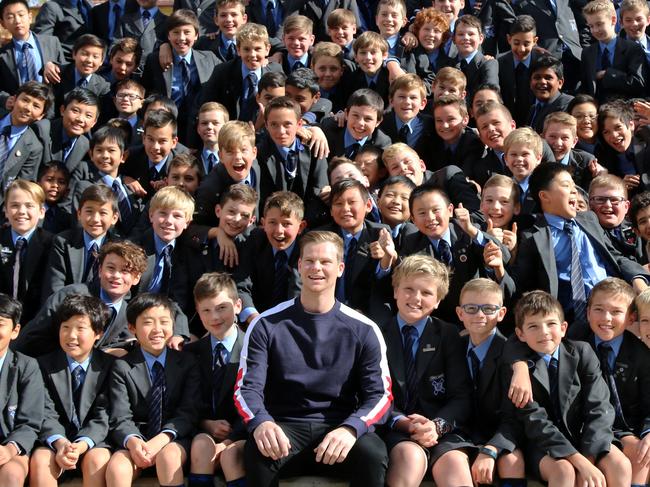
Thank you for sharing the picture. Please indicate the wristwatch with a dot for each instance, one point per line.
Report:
(442, 426)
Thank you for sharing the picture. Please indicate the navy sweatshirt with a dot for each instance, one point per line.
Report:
(326, 368)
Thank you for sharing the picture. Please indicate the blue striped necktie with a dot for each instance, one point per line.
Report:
(410, 339)
(156, 399)
(577, 282)
(28, 68)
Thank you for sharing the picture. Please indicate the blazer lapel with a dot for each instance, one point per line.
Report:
(232, 367)
(140, 373)
(566, 371)
(304, 165)
(540, 373)
(6, 379)
(88, 393)
(395, 355)
(429, 344)
(168, 77)
(61, 379)
(362, 254)
(489, 368)
(544, 243)
(34, 249)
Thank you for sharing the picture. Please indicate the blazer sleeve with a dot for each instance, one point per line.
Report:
(30, 408)
(47, 18)
(96, 424)
(121, 413)
(55, 273)
(631, 81)
(51, 421)
(490, 72)
(184, 417)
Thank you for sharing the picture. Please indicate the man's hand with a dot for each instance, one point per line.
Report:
(521, 390)
(335, 446)
(139, 452)
(423, 431)
(483, 468)
(271, 440)
(51, 73)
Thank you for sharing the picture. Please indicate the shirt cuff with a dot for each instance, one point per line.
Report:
(381, 273)
(245, 313)
(51, 439)
(643, 433)
(171, 433)
(480, 239)
(309, 117)
(394, 420)
(89, 442)
(128, 437)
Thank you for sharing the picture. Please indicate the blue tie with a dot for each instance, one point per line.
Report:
(476, 366)
(117, 13)
(604, 353)
(19, 257)
(92, 263)
(218, 372)
(579, 295)
(553, 387)
(28, 68)
(156, 399)
(410, 339)
(280, 277)
(146, 18)
(270, 19)
(247, 105)
(444, 252)
(186, 78)
(122, 202)
(78, 377)
(5, 135)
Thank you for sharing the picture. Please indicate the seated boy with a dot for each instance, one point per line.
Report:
(40, 52)
(406, 122)
(108, 151)
(87, 55)
(546, 81)
(611, 66)
(20, 150)
(457, 142)
(272, 246)
(581, 254)
(121, 264)
(153, 394)
(363, 114)
(73, 435)
(608, 200)
(23, 410)
(560, 132)
(74, 254)
(481, 309)
(54, 178)
(25, 246)
(623, 361)
(569, 433)
(431, 407)
(478, 70)
(212, 116)
(370, 52)
(522, 150)
(285, 163)
(456, 243)
(217, 355)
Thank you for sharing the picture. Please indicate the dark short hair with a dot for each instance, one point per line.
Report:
(547, 61)
(111, 134)
(83, 305)
(581, 99)
(536, 302)
(272, 79)
(282, 102)
(88, 40)
(98, 193)
(640, 202)
(615, 109)
(53, 165)
(167, 103)
(128, 45)
(303, 78)
(542, 177)
(425, 189)
(82, 96)
(522, 25)
(392, 180)
(10, 308)
(158, 119)
(144, 301)
(5, 3)
(365, 97)
(180, 18)
(343, 185)
(38, 90)
(487, 87)
(123, 126)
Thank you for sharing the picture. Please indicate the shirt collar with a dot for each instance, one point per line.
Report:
(523, 184)
(152, 11)
(73, 365)
(18, 43)
(348, 236)
(418, 325)
(565, 160)
(27, 236)
(158, 165)
(78, 76)
(117, 305)
(151, 359)
(303, 59)
(284, 151)
(89, 241)
(187, 57)
(348, 140)
(245, 71)
(445, 236)
(371, 79)
(160, 245)
(413, 124)
(525, 62)
(288, 250)
(611, 45)
(392, 41)
(228, 342)
(615, 343)
(470, 57)
(547, 357)
(108, 179)
(225, 42)
(555, 221)
(482, 348)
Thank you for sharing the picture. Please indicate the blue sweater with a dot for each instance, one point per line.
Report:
(326, 368)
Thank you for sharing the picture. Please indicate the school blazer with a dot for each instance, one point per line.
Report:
(97, 85)
(469, 148)
(100, 14)
(418, 62)
(453, 181)
(609, 159)
(317, 11)
(50, 50)
(632, 384)
(23, 160)
(159, 81)
(130, 385)
(226, 86)
(225, 406)
(444, 387)
(336, 137)
(137, 166)
(66, 260)
(480, 71)
(50, 133)
(625, 78)
(424, 146)
(149, 37)
(508, 85)
(205, 11)
(559, 104)
(60, 414)
(33, 267)
(534, 267)
(256, 272)
(587, 415)
(21, 400)
(357, 80)
(63, 21)
(39, 337)
(553, 30)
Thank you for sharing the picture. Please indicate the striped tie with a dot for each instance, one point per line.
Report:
(122, 203)
(19, 257)
(218, 372)
(28, 69)
(577, 282)
(156, 399)
(410, 338)
(78, 377)
(5, 135)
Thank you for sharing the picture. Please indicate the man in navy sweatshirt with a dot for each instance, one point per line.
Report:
(313, 381)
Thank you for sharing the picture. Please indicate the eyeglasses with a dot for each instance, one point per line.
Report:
(586, 116)
(488, 309)
(601, 200)
(128, 96)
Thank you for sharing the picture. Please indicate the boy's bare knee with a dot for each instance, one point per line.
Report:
(95, 459)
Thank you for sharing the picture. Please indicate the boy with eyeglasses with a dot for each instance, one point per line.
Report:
(129, 96)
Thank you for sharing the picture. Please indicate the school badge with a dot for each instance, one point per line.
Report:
(438, 384)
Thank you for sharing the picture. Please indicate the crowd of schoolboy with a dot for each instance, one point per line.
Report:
(159, 170)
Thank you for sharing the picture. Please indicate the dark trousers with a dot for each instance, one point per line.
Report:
(365, 465)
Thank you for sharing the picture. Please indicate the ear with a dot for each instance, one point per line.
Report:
(368, 205)
(15, 331)
(302, 226)
(459, 313)
(501, 314)
(560, 83)
(520, 334)
(217, 211)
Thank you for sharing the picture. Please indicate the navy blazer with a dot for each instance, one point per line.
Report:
(60, 19)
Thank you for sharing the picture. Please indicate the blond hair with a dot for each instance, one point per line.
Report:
(397, 149)
(211, 284)
(526, 137)
(561, 118)
(483, 286)
(635, 5)
(452, 76)
(370, 40)
(319, 237)
(599, 6)
(252, 33)
(609, 181)
(172, 198)
(326, 49)
(501, 181)
(29, 187)
(234, 133)
(298, 23)
(408, 82)
(613, 286)
(287, 202)
(419, 264)
(341, 16)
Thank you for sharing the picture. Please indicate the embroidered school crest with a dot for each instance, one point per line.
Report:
(438, 384)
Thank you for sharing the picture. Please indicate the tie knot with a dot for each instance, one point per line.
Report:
(568, 227)
(6, 131)
(219, 348)
(252, 77)
(281, 257)
(146, 15)
(94, 248)
(409, 331)
(552, 363)
(157, 368)
(117, 8)
(167, 250)
(270, 6)
(20, 243)
(605, 348)
(78, 372)
(26, 45)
